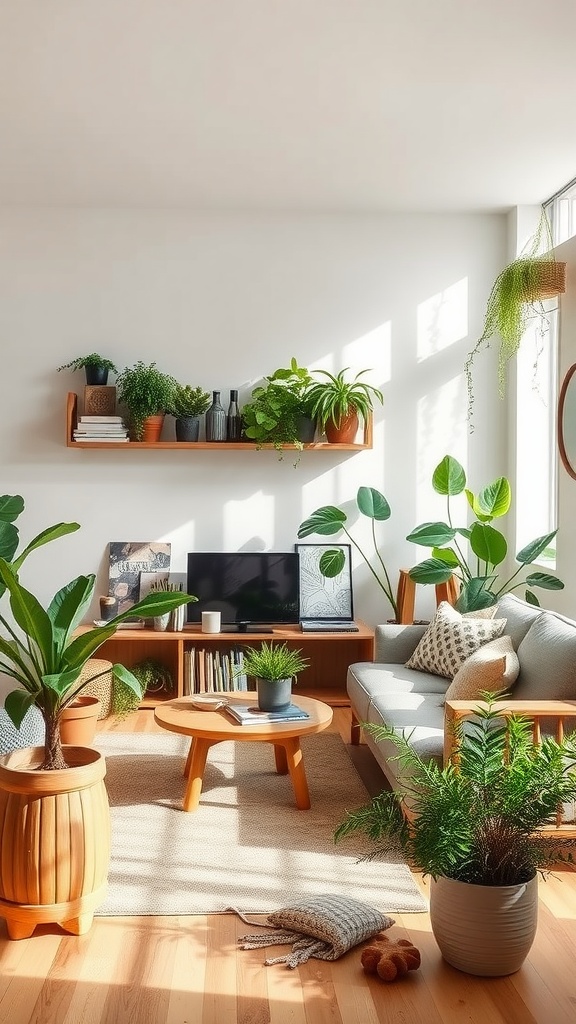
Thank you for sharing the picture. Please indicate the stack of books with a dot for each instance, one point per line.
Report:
(250, 714)
(101, 428)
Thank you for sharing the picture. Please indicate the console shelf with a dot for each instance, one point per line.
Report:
(222, 446)
(330, 655)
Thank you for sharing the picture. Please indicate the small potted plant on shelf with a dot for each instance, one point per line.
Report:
(96, 367)
(62, 787)
(475, 826)
(152, 677)
(187, 406)
(517, 296)
(274, 667)
(147, 393)
(279, 411)
(338, 404)
(479, 582)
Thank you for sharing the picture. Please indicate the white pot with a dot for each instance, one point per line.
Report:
(482, 929)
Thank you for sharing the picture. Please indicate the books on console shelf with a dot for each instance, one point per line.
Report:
(250, 714)
(214, 671)
(100, 419)
(87, 438)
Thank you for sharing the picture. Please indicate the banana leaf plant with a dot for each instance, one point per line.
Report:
(330, 520)
(45, 658)
(475, 562)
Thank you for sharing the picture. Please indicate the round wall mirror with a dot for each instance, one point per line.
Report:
(567, 421)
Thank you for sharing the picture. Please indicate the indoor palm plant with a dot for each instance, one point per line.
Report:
(147, 393)
(475, 826)
(479, 581)
(279, 410)
(54, 794)
(330, 520)
(517, 297)
(274, 667)
(338, 403)
(187, 405)
(95, 366)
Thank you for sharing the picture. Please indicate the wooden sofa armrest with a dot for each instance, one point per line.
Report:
(564, 711)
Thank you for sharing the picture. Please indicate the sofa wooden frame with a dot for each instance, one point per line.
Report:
(563, 712)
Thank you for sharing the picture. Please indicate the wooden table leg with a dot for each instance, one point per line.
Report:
(197, 757)
(280, 758)
(295, 762)
(189, 759)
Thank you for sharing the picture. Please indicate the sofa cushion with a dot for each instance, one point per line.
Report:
(494, 667)
(419, 716)
(519, 616)
(547, 658)
(450, 639)
(367, 680)
(395, 642)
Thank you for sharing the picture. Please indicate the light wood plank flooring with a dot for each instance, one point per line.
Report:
(189, 970)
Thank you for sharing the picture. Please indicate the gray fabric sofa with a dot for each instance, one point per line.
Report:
(387, 693)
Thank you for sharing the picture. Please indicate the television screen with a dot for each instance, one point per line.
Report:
(258, 587)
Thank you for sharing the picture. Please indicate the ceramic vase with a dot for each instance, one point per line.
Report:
(216, 420)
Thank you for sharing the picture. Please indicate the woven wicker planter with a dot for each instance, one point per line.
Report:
(55, 840)
(551, 281)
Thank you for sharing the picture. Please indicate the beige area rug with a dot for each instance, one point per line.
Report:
(247, 846)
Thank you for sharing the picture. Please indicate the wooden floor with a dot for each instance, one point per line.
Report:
(188, 970)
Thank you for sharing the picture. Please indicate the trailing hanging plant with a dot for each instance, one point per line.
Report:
(518, 296)
(93, 360)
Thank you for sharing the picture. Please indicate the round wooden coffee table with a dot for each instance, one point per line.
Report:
(209, 727)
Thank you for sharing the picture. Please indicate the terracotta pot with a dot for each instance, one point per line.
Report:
(483, 929)
(78, 721)
(152, 428)
(346, 432)
(55, 840)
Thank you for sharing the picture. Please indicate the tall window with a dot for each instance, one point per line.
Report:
(561, 212)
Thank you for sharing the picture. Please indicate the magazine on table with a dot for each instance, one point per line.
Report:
(250, 714)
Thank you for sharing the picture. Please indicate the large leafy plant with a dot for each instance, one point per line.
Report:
(478, 819)
(330, 520)
(473, 552)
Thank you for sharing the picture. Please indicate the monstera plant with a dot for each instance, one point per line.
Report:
(473, 552)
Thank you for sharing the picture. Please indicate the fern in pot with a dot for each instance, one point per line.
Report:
(95, 366)
(147, 393)
(475, 826)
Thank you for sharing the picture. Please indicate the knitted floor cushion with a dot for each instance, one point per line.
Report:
(30, 734)
(324, 927)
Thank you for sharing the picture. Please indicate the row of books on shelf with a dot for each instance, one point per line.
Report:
(213, 671)
(101, 428)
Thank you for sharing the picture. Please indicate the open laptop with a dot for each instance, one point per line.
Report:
(325, 604)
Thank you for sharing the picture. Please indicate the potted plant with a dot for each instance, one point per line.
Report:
(479, 583)
(279, 411)
(338, 403)
(147, 393)
(59, 788)
(517, 296)
(95, 366)
(475, 826)
(330, 520)
(274, 667)
(152, 677)
(187, 405)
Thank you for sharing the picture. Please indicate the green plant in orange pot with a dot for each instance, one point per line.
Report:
(338, 403)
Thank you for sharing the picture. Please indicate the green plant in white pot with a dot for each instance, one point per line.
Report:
(274, 667)
(475, 826)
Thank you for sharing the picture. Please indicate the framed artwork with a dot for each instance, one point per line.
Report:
(127, 560)
(323, 596)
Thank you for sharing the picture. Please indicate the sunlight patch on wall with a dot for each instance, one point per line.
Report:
(442, 320)
(441, 430)
(249, 525)
(371, 351)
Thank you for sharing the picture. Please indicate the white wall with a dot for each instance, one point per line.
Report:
(219, 300)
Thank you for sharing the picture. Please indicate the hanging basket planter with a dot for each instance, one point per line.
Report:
(548, 280)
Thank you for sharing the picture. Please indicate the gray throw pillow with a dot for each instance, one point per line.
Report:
(547, 658)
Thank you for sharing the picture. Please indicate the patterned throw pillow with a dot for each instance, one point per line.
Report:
(324, 927)
(450, 639)
(494, 667)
